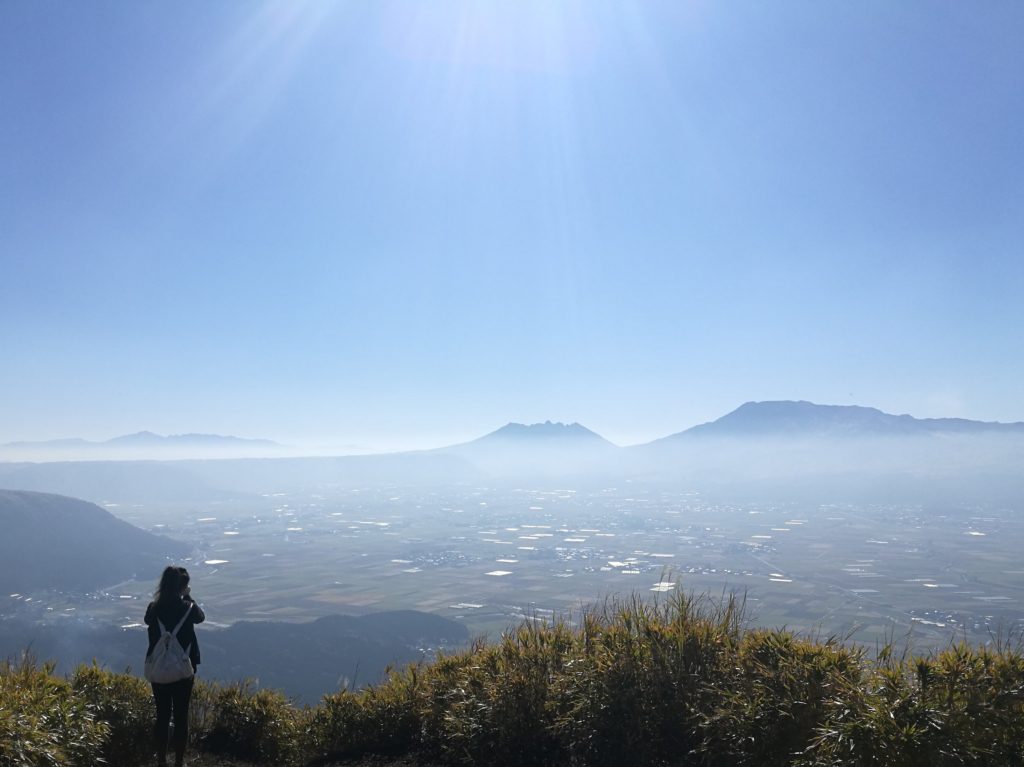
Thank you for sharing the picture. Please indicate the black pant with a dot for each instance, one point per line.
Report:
(172, 697)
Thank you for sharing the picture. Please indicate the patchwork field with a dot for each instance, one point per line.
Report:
(490, 557)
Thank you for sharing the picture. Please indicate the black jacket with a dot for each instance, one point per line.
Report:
(169, 614)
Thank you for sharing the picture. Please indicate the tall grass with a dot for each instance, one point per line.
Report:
(677, 682)
(42, 722)
(123, 703)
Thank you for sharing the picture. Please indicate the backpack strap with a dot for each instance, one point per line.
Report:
(182, 621)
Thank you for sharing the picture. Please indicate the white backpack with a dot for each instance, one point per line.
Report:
(169, 661)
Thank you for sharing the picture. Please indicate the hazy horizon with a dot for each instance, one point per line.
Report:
(394, 226)
(398, 442)
(198, 445)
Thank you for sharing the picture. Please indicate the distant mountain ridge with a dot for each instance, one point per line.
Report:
(748, 442)
(147, 439)
(771, 418)
(787, 418)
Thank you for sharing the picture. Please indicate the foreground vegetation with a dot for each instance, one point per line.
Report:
(681, 682)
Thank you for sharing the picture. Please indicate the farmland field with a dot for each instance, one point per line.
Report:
(489, 557)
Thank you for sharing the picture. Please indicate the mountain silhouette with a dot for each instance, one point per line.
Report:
(548, 433)
(540, 449)
(805, 419)
(56, 542)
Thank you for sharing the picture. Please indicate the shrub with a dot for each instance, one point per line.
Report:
(962, 706)
(259, 726)
(774, 698)
(125, 704)
(41, 722)
(383, 720)
(495, 702)
(638, 685)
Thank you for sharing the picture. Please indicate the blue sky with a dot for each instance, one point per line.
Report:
(404, 223)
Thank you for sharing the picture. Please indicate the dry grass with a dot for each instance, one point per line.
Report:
(680, 682)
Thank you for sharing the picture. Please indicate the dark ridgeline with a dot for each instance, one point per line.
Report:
(311, 659)
(55, 542)
(306, 660)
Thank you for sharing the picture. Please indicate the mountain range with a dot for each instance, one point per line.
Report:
(827, 450)
(775, 419)
(146, 439)
(770, 418)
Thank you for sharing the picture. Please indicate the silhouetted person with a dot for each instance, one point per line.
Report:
(170, 603)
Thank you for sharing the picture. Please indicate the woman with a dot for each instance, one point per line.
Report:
(170, 602)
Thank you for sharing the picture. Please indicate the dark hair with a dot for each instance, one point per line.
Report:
(172, 583)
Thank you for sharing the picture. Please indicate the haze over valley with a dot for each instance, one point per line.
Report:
(837, 520)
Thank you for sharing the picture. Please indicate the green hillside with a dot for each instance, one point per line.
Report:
(679, 683)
